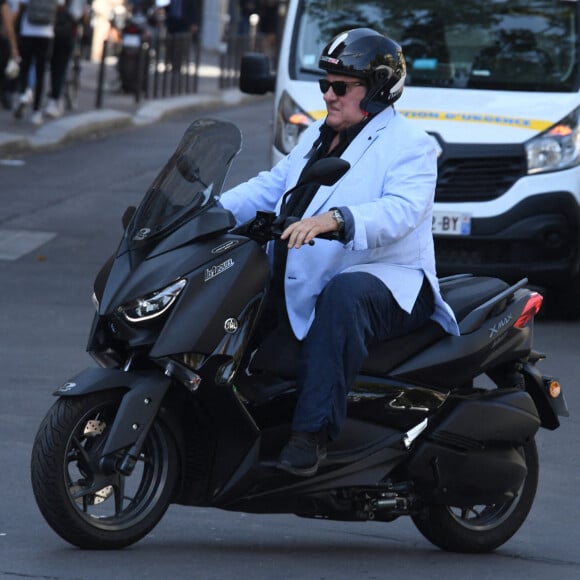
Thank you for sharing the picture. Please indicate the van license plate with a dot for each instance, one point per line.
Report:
(451, 223)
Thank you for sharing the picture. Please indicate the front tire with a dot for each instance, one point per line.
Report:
(83, 505)
(481, 528)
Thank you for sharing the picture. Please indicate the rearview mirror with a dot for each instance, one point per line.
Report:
(325, 171)
(255, 75)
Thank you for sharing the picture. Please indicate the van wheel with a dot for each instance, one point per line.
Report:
(481, 528)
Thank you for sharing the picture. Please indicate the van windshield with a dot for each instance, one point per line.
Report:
(526, 45)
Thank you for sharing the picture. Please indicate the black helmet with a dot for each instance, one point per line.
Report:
(368, 55)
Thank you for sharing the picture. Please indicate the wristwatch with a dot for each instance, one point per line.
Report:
(338, 217)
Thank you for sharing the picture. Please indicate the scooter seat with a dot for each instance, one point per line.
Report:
(465, 293)
(279, 354)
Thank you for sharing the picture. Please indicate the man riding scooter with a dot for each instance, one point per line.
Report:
(378, 281)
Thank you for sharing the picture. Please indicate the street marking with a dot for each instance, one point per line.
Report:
(13, 162)
(17, 243)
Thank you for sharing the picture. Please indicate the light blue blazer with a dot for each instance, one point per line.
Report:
(389, 189)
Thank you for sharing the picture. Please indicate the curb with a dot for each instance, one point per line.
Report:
(77, 126)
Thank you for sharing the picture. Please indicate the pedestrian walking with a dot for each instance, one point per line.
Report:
(183, 21)
(36, 34)
(68, 18)
(9, 55)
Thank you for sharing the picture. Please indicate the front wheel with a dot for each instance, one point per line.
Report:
(481, 528)
(83, 505)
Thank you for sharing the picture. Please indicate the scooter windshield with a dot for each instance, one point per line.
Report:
(190, 181)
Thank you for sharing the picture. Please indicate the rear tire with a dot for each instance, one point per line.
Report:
(83, 505)
(481, 528)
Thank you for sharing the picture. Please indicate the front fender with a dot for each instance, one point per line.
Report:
(96, 379)
(139, 406)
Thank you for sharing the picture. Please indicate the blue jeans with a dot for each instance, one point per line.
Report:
(354, 311)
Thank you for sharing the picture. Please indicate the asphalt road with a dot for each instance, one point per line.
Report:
(60, 217)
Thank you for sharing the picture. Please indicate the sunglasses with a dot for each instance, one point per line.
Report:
(339, 87)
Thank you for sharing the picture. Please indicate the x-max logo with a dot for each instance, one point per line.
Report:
(499, 325)
(217, 270)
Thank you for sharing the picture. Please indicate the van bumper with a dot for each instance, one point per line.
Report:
(538, 238)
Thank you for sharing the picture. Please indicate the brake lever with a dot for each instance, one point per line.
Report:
(258, 228)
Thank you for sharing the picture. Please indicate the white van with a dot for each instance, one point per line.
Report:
(496, 83)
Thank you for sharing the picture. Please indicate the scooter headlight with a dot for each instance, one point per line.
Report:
(152, 305)
(557, 148)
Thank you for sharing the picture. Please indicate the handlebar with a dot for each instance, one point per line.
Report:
(267, 226)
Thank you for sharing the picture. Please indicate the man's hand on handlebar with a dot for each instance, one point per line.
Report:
(303, 232)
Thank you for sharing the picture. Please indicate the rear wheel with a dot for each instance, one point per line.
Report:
(83, 505)
(481, 528)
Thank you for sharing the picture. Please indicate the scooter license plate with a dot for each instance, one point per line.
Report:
(451, 223)
(131, 40)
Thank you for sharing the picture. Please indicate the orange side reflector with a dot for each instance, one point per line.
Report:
(530, 310)
(554, 389)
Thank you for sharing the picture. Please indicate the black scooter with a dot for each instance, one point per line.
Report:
(180, 411)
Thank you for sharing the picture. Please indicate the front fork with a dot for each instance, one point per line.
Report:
(135, 416)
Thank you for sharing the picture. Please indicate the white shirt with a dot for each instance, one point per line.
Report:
(41, 30)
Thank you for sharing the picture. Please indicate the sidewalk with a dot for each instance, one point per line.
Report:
(118, 110)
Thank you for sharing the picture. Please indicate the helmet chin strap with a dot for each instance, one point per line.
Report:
(370, 106)
(376, 98)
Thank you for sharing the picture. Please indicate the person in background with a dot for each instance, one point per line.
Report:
(378, 280)
(65, 35)
(7, 19)
(35, 46)
(245, 9)
(268, 26)
(183, 21)
(9, 54)
(183, 16)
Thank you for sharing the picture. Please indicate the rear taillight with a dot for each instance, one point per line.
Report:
(530, 310)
